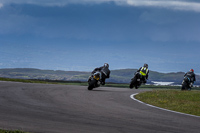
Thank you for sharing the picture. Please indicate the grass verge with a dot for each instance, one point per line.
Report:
(16, 131)
(120, 85)
(176, 100)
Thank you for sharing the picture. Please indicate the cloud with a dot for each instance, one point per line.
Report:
(53, 2)
(170, 4)
(1, 5)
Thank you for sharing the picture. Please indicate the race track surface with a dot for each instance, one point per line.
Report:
(44, 108)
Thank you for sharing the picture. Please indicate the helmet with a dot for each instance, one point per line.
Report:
(106, 65)
(191, 70)
(146, 65)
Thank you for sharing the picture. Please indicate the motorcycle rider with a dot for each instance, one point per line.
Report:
(105, 72)
(191, 77)
(144, 72)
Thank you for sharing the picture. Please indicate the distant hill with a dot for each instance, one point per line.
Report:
(124, 76)
(117, 76)
(30, 73)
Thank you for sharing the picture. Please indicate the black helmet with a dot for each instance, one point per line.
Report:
(146, 65)
(106, 65)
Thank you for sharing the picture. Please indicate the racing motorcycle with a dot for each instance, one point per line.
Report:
(186, 84)
(136, 81)
(94, 81)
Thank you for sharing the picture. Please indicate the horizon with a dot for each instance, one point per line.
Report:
(91, 71)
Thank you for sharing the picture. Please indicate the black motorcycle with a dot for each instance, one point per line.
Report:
(136, 81)
(186, 84)
(94, 81)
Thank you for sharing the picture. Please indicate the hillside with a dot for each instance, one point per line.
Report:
(125, 75)
(30, 73)
(117, 76)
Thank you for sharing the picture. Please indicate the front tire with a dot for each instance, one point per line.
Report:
(91, 84)
(184, 86)
(132, 83)
(90, 88)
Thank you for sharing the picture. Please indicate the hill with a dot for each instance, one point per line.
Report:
(124, 76)
(117, 76)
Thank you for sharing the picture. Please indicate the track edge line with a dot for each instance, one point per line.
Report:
(133, 97)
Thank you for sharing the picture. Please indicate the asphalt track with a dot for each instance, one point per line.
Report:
(44, 108)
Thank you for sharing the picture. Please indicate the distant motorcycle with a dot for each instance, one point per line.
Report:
(186, 84)
(136, 81)
(94, 81)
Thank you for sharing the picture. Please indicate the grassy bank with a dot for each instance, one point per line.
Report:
(16, 131)
(181, 101)
(120, 85)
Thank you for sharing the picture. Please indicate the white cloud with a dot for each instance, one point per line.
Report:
(171, 4)
(1, 5)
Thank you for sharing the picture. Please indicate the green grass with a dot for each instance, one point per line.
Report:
(176, 100)
(83, 83)
(16, 131)
(22, 80)
(120, 85)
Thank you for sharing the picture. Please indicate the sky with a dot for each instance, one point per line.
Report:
(79, 35)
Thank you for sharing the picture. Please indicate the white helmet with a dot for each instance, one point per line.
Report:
(106, 65)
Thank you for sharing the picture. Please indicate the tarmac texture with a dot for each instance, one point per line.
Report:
(46, 108)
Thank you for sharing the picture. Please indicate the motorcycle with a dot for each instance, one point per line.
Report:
(94, 81)
(186, 84)
(136, 81)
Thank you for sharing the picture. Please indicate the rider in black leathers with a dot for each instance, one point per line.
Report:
(191, 77)
(105, 72)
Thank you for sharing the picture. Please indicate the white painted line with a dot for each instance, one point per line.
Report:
(132, 97)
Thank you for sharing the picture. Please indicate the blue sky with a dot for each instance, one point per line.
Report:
(80, 35)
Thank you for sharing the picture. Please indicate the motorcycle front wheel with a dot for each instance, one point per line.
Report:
(133, 81)
(91, 84)
(131, 85)
(184, 86)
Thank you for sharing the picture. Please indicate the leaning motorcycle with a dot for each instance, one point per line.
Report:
(94, 81)
(136, 81)
(186, 84)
